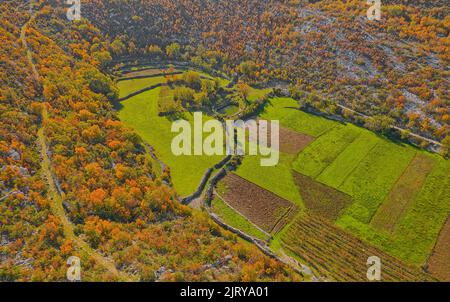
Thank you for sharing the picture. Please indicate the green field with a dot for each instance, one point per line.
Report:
(343, 157)
(319, 155)
(129, 86)
(283, 109)
(141, 113)
(346, 162)
(372, 180)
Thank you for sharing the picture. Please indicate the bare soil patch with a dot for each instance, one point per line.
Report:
(264, 208)
(291, 142)
(321, 199)
(439, 261)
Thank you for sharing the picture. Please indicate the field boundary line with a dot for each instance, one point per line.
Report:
(356, 167)
(324, 168)
(238, 212)
(140, 91)
(408, 204)
(285, 215)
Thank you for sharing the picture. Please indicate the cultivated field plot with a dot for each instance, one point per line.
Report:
(338, 255)
(314, 159)
(285, 110)
(403, 193)
(399, 195)
(321, 199)
(147, 72)
(291, 142)
(346, 162)
(439, 261)
(416, 233)
(128, 87)
(374, 177)
(141, 113)
(265, 209)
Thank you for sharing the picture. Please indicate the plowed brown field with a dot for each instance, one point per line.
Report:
(265, 209)
(439, 262)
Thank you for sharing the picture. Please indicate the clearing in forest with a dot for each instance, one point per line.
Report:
(141, 113)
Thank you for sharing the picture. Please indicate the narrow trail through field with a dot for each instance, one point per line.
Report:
(56, 198)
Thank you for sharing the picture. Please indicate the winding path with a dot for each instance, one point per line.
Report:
(56, 198)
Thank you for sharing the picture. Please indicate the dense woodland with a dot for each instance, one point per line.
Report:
(111, 195)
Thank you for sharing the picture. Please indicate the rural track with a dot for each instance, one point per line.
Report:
(56, 204)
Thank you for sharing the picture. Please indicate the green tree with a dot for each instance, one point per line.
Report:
(173, 51)
(379, 123)
(154, 51)
(192, 79)
(103, 57)
(117, 47)
(185, 95)
(445, 149)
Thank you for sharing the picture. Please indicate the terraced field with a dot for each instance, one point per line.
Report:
(147, 72)
(438, 263)
(403, 193)
(321, 199)
(340, 256)
(129, 86)
(262, 207)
